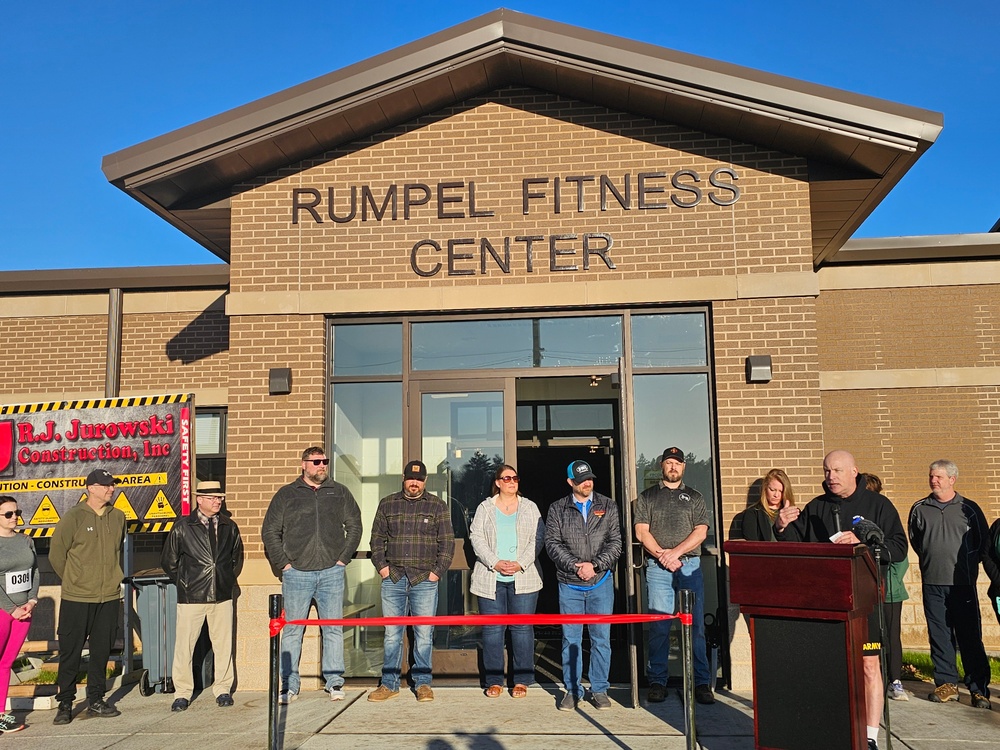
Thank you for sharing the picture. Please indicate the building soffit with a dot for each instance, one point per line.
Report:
(857, 147)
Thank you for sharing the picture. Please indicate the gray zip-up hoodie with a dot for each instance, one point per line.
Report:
(949, 538)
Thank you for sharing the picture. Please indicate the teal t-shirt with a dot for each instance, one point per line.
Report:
(506, 540)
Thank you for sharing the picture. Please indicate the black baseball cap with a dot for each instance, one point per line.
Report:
(579, 471)
(415, 470)
(675, 453)
(102, 477)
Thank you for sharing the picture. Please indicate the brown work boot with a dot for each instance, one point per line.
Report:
(382, 694)
(424, 694)
(944, 693)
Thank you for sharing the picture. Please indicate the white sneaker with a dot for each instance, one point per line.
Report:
(896, 692)
(336, 693)
(287, 697)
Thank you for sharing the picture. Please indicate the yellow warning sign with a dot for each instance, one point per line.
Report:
(160, 508)
(125, 507)
(46, 513)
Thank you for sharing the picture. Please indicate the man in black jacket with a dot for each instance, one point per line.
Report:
(203, 555)
(311, 531)
(831, 517)
(583, 537)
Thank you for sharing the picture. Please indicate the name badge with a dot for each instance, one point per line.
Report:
(18, 581)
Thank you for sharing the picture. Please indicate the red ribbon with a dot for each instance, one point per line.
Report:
(277, 623)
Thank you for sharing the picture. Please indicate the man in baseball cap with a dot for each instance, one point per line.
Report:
(584, 551)
(671, 522)
(85, 554)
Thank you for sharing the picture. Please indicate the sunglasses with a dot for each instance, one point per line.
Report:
(11, 514)
(512, 478)
(317, 461)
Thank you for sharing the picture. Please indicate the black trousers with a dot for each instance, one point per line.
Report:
(78, 622)
(892, 645)
(953, 619)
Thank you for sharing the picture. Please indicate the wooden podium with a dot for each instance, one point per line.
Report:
(808, 606)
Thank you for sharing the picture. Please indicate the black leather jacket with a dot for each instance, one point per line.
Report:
(187, 560)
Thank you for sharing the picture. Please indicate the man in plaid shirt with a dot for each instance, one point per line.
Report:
(412, 547)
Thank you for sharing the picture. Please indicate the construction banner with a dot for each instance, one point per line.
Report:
(47, 450)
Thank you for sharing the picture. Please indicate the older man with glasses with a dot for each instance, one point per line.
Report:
(311, 531)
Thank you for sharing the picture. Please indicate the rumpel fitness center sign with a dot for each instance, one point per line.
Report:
(684, 189)
(47, 450)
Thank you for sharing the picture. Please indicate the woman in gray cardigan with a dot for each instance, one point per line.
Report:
(507, 536)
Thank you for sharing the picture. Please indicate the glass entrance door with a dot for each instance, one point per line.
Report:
(461, 434)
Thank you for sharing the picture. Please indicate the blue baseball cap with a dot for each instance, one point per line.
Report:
(580, 470)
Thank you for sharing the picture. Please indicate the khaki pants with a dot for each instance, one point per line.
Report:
(190, 617)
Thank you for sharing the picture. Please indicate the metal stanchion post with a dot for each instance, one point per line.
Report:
(687, 661)
(273, 612)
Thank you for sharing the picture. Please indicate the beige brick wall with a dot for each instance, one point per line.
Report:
(496, 142)
(956, 326)
(767, 425)
(162, 352)
(267, 434)
(53, 354)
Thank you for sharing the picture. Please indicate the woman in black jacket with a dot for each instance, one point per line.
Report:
(775, 493)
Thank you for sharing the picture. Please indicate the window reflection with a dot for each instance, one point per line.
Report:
(368, 349)
(669, 340)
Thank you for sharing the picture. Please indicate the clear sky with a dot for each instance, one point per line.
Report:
(80, 80)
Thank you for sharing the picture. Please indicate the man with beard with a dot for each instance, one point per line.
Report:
(311, 531)
(671, 522)
(412, 547)
(948, 532)
(830, 517)
(583, 537)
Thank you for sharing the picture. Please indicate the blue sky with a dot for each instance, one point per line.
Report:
(80, 80)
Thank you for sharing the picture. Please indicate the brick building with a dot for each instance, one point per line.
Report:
(520, 239)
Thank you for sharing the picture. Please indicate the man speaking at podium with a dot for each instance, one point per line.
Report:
(845, 508)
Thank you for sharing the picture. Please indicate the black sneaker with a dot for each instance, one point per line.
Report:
(872, 745)
(64, 714)
(181, 704)
(224, 701)
(102, 709)
(657, 693)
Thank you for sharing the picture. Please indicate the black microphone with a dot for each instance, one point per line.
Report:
(836, 516)
(867, 532)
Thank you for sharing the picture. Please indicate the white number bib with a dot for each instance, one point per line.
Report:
(18, 581)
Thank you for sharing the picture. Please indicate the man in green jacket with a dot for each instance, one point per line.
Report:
(86, 555)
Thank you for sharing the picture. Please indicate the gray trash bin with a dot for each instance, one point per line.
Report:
(156, 607)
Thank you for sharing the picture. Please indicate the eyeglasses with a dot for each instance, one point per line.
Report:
(512, 478)
(11, 514)
(317, 461)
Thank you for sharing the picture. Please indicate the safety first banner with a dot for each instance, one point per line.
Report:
(47, 450)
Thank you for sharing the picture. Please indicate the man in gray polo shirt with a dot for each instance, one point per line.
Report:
(671, 522)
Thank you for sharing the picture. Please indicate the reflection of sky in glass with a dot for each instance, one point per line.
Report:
(473, 344)
(669, 340)
(368, 349)
(575, 342)
(672, 410)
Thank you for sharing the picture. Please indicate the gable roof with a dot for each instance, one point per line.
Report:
(858, 147)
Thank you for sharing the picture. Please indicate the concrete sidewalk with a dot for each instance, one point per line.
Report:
(461, 718)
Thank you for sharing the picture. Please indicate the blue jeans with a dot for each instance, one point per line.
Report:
(597, 601)
(522, 637)
(661, 597)
(298, 589)
(399, 600)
